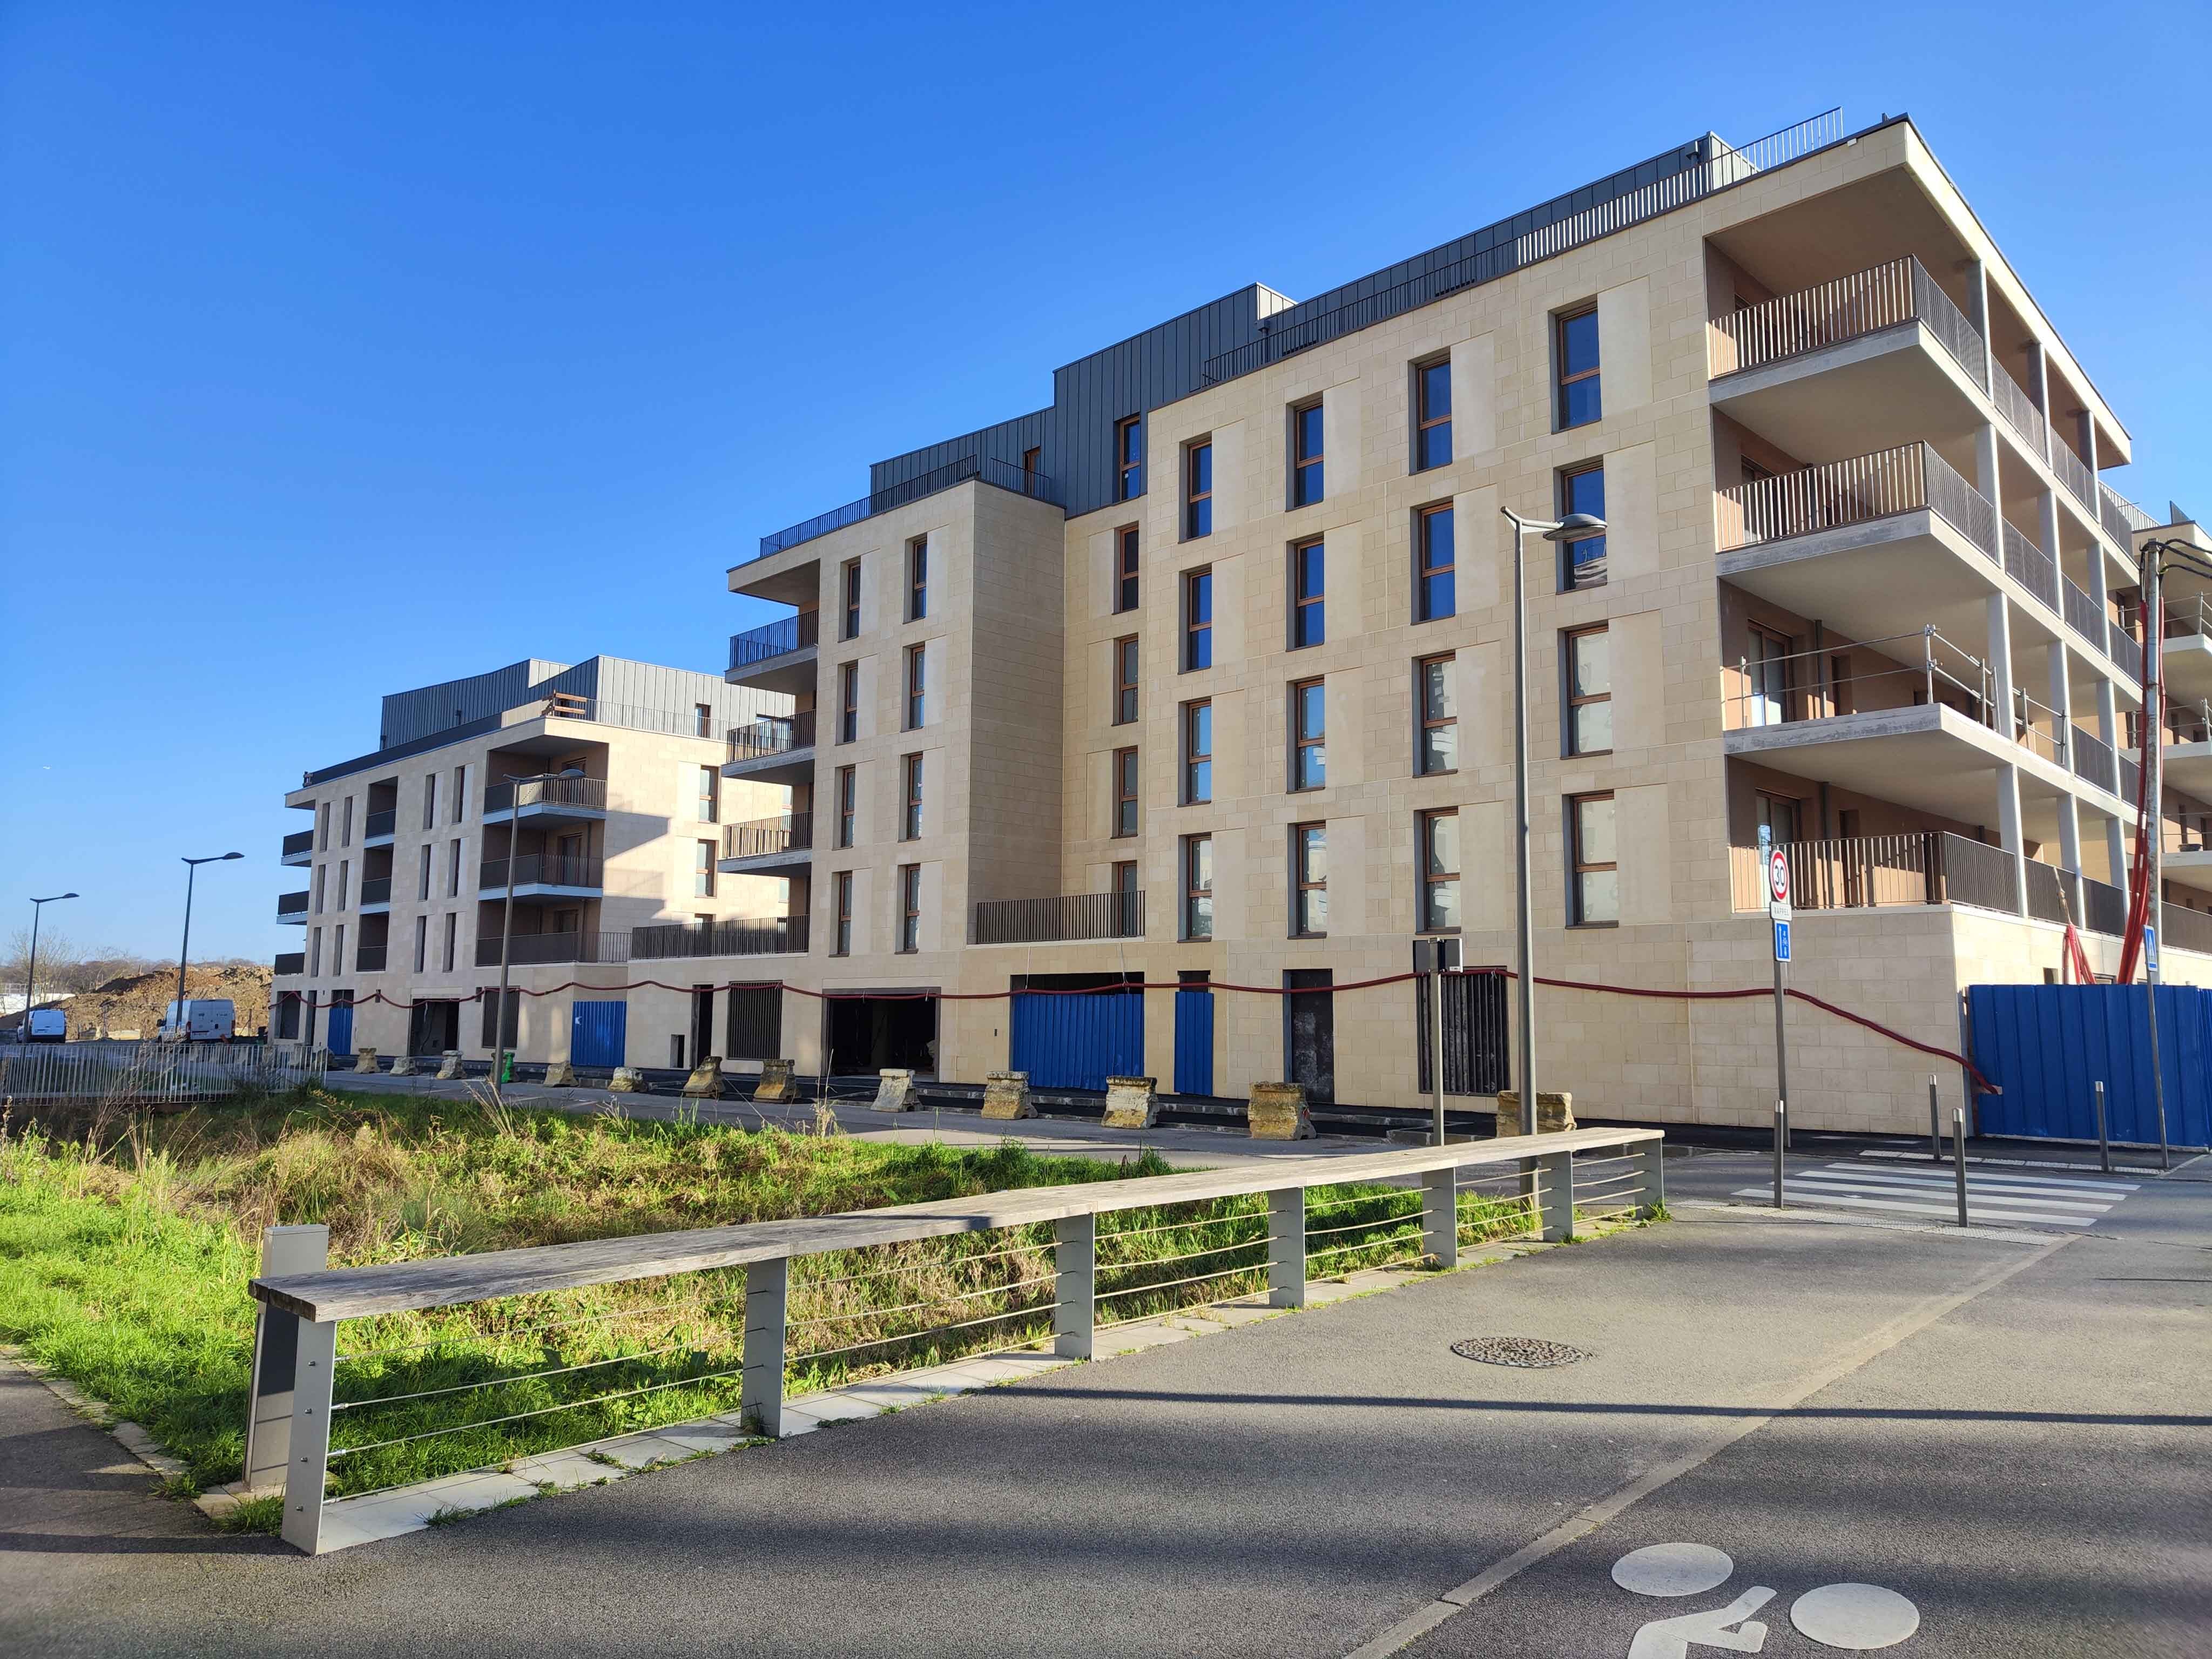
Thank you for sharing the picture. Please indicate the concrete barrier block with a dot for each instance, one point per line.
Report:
(776, 1081)
(449, 1067)
(364, 1062)
(1007, 1096)
(559, 1074)
(1130, 1103)
(1555, 1113)
(402, 1066)
(895, 1091)
(705, 1082)
(1277, 1111)
(628, 1081)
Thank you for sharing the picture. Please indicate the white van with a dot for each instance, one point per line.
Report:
(45, 1025)
(199, 1019)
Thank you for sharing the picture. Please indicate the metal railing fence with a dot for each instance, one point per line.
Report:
(160, 1073)
(543, 870)
(379, 826)
(588, 794)
(1784, 691)
(2021, 413)
(763, 936)
(2103, 907)
(1864, 488)
(776, 639)
(772, 734)
(288, 965)
(2094, 760)
(1003, 474)
(2187, 929)
(1865, 303)
(2083, 614)
(375, 890)
(299, 841)
(1065, 916)
(791, 833)
(2031, 567)
(531, 950)
(292, 904)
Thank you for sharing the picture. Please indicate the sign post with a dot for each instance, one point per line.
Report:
(1780, 916)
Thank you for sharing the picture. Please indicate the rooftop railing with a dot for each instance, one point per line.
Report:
(1003, 474)
(1827, 313)
(762, 836)
(2128, 513)
(772, 734)
(1067, 916)
(775, 639)
(1905, 479)
(764, 936)
(534, 950)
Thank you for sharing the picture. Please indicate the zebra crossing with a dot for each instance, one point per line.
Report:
(2005, 1199)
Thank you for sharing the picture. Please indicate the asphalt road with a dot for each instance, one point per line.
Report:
(2009, 1433)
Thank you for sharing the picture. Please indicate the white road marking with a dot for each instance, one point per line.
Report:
(1673, 1568)
(1945, 1189)
(2110, 1189)
(1858, 1617)
(1974, 1212)
(2041, 1200)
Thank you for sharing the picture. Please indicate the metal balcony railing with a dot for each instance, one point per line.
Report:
(2021, 413)
(2131, 776)
(1003, 474)
(767, 936)
(2103, 907)
(2125, 651)
(299, 841)
(543, 870)
(1069, 916)
(1906, 479)
(292, 904)
(290, 965)
(2190, 616)
(772, 734)
(2188, 722)
(531, 950)
(369, 958)
(1859, 872)
(2074, 472)
(2093, 761)
(2031, 567)
(775, 639)
(376, 890)
(1864, 302)
(2083, 614)
(379, 824)
(762, 836)
(2125, 512)
(2186, 929)
(1801, 686)
(586, 794)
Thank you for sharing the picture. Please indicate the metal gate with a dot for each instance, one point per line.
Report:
(1193, 1041)
(597, 1034)
(1077, 1039)
(2046, 1047)
(1476, 1049)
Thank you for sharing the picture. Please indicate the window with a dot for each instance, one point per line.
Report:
(1309, 736)
(910, 817)
(1125, 680)
(1595, 901)
(345, 832)
(909, 908)
(841, 888)
(422, 942)
(1582, 489)
(453, 870)
(461, 789)
(429, 800)
(1306, 482)
(1030, 458)
(1575, 353)
(1435, 596)
(345, 880)
(916, 679)
(702, 720)
(1308, 880)
(1125, 568)
(702, 869)
(1432, 443)
(1130, 456)
(453, 935)
(1753, 472)
(1124, 877)
(917, 577)
(338, 956)
(1768, 692)
(709, 808)
(1438, 834)
(324, 844)
(1439, 742)
(321, 871)
(1590, 691)
(1779, 816)
(1308, 594)
(1129, 919)
(422, 875)
(849, 701)
(848, 792)
(1198, 620)
(1125, 792)
(852, 580)
(314, 951)
(1197, 491)
(1197, 887)
(1197, 752)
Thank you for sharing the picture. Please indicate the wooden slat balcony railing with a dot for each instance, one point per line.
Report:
(763, 936)
(1906, 479)
(1864, 872)
(1053, 920)
(1828, 313)
(762, 836)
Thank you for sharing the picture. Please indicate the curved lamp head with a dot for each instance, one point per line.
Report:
(53, 898)
(1575, 527)
(227, 856)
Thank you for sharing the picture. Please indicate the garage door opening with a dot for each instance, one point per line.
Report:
(872, 1033)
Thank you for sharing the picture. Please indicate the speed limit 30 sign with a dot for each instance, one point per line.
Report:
(1778, 885)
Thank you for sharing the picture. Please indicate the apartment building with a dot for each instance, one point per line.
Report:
(588, 798)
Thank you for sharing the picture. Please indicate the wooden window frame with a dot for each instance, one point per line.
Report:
(1125, 570)
(709, 803)
(1194, 626)
(1192, 892)
(917, 686)
(1764, 800)
(1301, 601)
(1192, 756)
(702, 869)
(1563, 488)
(841, 913)
(1574, 701)
(1303, 881)
(1424, 421)
(1424, 571)
(1197, 502)
(910, 797)
(1562, 380)
(1127, 808)
(1578, 867)
(1304, 462)
(1128, 474)
(1425, 722)
(848, 790)
(1125, 680)
(849, 701)
(1424, 841)
(917, 579)
(1302, 740)
(910, 938)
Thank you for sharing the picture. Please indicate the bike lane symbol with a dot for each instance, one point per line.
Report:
(1853, 1616)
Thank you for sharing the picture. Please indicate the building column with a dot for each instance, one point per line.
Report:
(1987, 481)
(2039, 389)
(2108, 713)
(2069, 820)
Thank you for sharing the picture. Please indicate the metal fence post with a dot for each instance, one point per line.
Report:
(1440, 1216)
(309, 1433)
(1555, 1191)
(1652, 1187)
(760, 1394)
(1286, 1247)
(1959, 1159)
(1075, 1285)
(1781, 1140)
(2104, 1144)
(276, 1353)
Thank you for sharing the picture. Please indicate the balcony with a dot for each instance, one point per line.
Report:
(536, 949)
(1927, 866)
(369, 958)
(768, 936)
(779, 657)
(300, 847)
(2187, 646)
(292, 907)
(2186, 859)
(377, 828)
(1002, 474)
(542, 875)
(290, 965)
(773, 748)
(375, 895)
(546, 801)
(1055, 920)
(765, 844)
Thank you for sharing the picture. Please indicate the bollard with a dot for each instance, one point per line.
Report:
(1935, 1122)
(1959, 1158)
(2104, 1145)
(1781, 1134)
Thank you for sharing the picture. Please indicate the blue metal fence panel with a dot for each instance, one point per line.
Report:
(598, 1034)
(1077, 1041)
(340, 1040)
(1193, 1042)
(2046, 1047)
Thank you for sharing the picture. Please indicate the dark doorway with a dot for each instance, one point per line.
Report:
(703, 1022)
(1309, 1032)
(434, 1027)
(868, 1034)
(756, 1024)
(1476, 1049)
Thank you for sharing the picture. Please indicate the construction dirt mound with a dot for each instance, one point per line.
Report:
(131, 1006)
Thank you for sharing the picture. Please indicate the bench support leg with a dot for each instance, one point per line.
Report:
(1286, 1251)
(1440, 1216)
(760, 1397)
(1075, 1285)
(315, 1356)
(1651, 1166)
(1555, 1185)
(276, 1351)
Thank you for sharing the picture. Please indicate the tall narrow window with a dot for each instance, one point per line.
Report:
(1031, 459)
(840, 890)
(1197, 491)
(1439, 742)
(1596, 897)
(849, 701)
(909, 908)
(429, 800)
(452, 938)
(1198, 619)
(702, 720)
(321, 871)
(1125, 792)
(916, 680)
(453, 869)
(851, 576)
(1197, 887)
(1197, 752)
(910, 813)
(1580, 402)
(1125, 680)
(1130, 456)
(345, 880)
(1306, 482)
(422, 942)
(1767, 693)
(423, 876)
(1126, 913)
(460, 813)
(345, 831)
(1308, 594)
(1436, 597)
(1125, 568)
(1438, 834)
(709, 802)
(917, 579)
(1582, 489)
(314, 952)
(702, 869)
(1590, 691)
(1308, 880)
(338, 956)
(1432, 414)
(323, 844)
(1309, 735)
(848, 793)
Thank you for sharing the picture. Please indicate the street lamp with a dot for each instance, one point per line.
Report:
(506, 919)
(1573, 527)
(30, 974)
(184, 950)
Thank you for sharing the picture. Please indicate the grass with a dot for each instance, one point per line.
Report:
(126, 1243)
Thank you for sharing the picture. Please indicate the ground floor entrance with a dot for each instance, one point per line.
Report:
(881, 1031)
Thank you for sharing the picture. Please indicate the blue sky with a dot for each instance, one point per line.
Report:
(349, 348)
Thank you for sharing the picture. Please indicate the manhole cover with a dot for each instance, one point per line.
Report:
(1528, 1353)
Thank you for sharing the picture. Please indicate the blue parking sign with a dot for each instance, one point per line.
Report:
(1781, 941)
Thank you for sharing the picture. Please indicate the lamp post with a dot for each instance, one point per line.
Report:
(506, 917)
(184, 950)
(31, 973)
(1573, 527)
